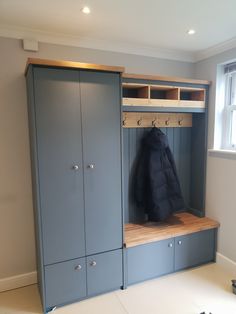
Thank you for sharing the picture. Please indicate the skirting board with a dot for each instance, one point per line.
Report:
(31, 278)
(18, 281)
(226, 263)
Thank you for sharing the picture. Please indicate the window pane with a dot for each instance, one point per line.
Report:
(233, 90)
(233, 128)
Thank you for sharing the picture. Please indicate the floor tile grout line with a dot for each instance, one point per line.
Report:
(123, 306)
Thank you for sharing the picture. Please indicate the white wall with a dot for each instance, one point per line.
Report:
(221, 170)
(16, 213)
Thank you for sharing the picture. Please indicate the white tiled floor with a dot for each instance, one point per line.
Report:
(206, 289)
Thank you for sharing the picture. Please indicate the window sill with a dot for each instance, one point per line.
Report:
(222, 153)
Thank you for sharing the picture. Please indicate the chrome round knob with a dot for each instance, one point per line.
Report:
(170, 244)
(78, 267)
(91, 166)
(75, 167)
(179, 242)
(93, 263)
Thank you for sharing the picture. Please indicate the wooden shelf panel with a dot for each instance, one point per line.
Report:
(177, 225)
(163, 103)
(135, 101)
(191, 104)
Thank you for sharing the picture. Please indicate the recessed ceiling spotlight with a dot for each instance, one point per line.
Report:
(191, 31)
(86, 10)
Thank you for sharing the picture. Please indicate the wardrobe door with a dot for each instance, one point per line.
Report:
(100, 102)
(58, 124)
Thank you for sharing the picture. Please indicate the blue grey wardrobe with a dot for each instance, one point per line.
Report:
(75, 133)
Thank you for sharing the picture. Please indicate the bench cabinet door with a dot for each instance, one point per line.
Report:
(194, 249)
(150, 260)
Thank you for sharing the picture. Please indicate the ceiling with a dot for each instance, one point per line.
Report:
(153, 27)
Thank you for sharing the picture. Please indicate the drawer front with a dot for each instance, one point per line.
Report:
(150, 260)
(194, 249)
(65, 282)
(104, 272)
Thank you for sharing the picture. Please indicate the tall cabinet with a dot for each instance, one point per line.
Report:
(75, 132)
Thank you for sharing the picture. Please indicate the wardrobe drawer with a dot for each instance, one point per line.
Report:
(104, 272)
(150, 260)
(65, 282)
(194, 249)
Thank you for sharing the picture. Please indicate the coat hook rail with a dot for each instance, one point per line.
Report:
(161, 120)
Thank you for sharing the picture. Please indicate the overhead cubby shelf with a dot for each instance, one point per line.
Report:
(163, 96)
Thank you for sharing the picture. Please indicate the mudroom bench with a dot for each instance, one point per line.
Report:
(155, 249)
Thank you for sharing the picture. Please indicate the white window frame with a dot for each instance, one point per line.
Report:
(229, 108)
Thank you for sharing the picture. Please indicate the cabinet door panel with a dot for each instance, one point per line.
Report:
(194, 249)
(65, 282)
(100, 101)
(150, 260)
(104, 272)
(58, 124)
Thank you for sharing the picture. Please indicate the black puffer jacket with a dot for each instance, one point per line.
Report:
(156, 184)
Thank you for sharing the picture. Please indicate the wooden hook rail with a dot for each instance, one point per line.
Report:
(160, 120)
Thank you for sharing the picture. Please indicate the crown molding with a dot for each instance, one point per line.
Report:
(16, 32)
(215, 50)
(85, 42)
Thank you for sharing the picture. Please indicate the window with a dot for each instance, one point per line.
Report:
(229, 111)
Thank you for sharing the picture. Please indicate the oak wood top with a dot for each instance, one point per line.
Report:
(72, 64)
(165, 78)
(178, 225)
(119, 69)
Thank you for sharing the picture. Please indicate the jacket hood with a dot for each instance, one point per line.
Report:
(156, 139)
